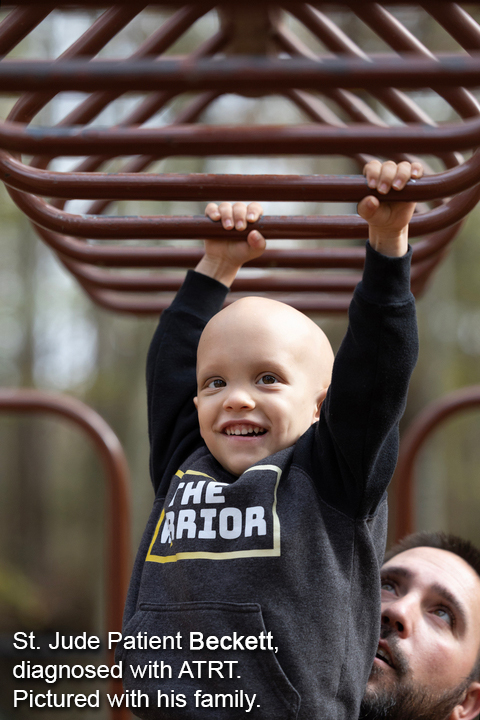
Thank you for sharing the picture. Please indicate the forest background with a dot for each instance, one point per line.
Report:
(52, 512)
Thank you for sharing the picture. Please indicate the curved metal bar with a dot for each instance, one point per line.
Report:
(93, 105)
(402, 40)
(199, 186)
(266, 75)
(180, 140)
(135, 282)
(163, 227)
(175, 3)
(337, 41)
(418, 432)
(458, 23)
(18, 24)
(91, 42)
(183, 257)
(116, 471)
(279, 282)
(307, 303)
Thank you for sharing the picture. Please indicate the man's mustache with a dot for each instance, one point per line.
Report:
(399, 660)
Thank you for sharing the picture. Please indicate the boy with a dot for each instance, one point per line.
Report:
(256, 587)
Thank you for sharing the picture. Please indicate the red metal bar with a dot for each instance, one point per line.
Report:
(199, 186)
(266, 75)
(418, 432)
(163, 227)
(18, 24)
(458, 23)
(90, 43)
(117, 476)
(205, 140)
(402, 40)
(135, 282)
(337, 41)
(176, 3)
(307, 303)
(159, 42)
(152, 257)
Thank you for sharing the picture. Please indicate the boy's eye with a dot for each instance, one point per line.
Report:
(267, 380)
(217, 383)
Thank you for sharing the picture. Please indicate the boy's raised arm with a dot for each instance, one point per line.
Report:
(373, 366)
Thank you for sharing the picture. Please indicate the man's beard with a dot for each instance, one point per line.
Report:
(403, 700)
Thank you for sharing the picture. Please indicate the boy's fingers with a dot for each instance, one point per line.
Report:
(372, 171)
(403, 175)
(417, 169)
(384, 176)
(368, 206)
(254, 211)
(387, 176)
(212, 211)
(256, 240)
(226, 215)
(240, 215)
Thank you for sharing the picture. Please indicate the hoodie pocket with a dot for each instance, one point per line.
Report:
(204, 659)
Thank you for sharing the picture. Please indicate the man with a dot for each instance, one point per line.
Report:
(428, 662)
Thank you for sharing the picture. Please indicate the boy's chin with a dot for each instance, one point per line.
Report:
(238, 465)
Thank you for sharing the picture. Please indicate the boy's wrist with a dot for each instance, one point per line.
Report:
(218, 269)
(388, 243)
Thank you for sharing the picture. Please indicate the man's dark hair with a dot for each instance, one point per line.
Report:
(442, 541)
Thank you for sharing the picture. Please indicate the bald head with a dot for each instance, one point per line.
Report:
(262, 322)
(262, 368)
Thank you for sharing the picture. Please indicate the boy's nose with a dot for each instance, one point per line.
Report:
(239, 398)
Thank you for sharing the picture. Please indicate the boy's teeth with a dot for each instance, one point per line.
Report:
(244, 430)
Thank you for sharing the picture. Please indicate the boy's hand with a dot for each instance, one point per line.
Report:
(224, 258)
(388, 221)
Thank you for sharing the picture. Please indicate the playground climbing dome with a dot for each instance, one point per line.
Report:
(91, 135)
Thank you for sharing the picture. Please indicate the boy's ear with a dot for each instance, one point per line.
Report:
(470, 707)
(195, 402)
(318, 404)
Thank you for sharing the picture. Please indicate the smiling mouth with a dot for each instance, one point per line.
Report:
(245, 430)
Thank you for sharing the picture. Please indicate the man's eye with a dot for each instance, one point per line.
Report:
(268, 380)
(445, 614)
(217, 383)
(388, 586)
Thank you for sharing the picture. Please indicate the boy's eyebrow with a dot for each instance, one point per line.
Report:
(436, 587)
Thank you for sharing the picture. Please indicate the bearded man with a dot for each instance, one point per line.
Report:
(428, 662)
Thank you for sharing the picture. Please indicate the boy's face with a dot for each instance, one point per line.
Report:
(263, 370)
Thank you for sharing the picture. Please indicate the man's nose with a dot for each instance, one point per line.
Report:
(400, 614)
(239, 397)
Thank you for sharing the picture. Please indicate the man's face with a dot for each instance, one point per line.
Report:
(262, 372)
(430, 635)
